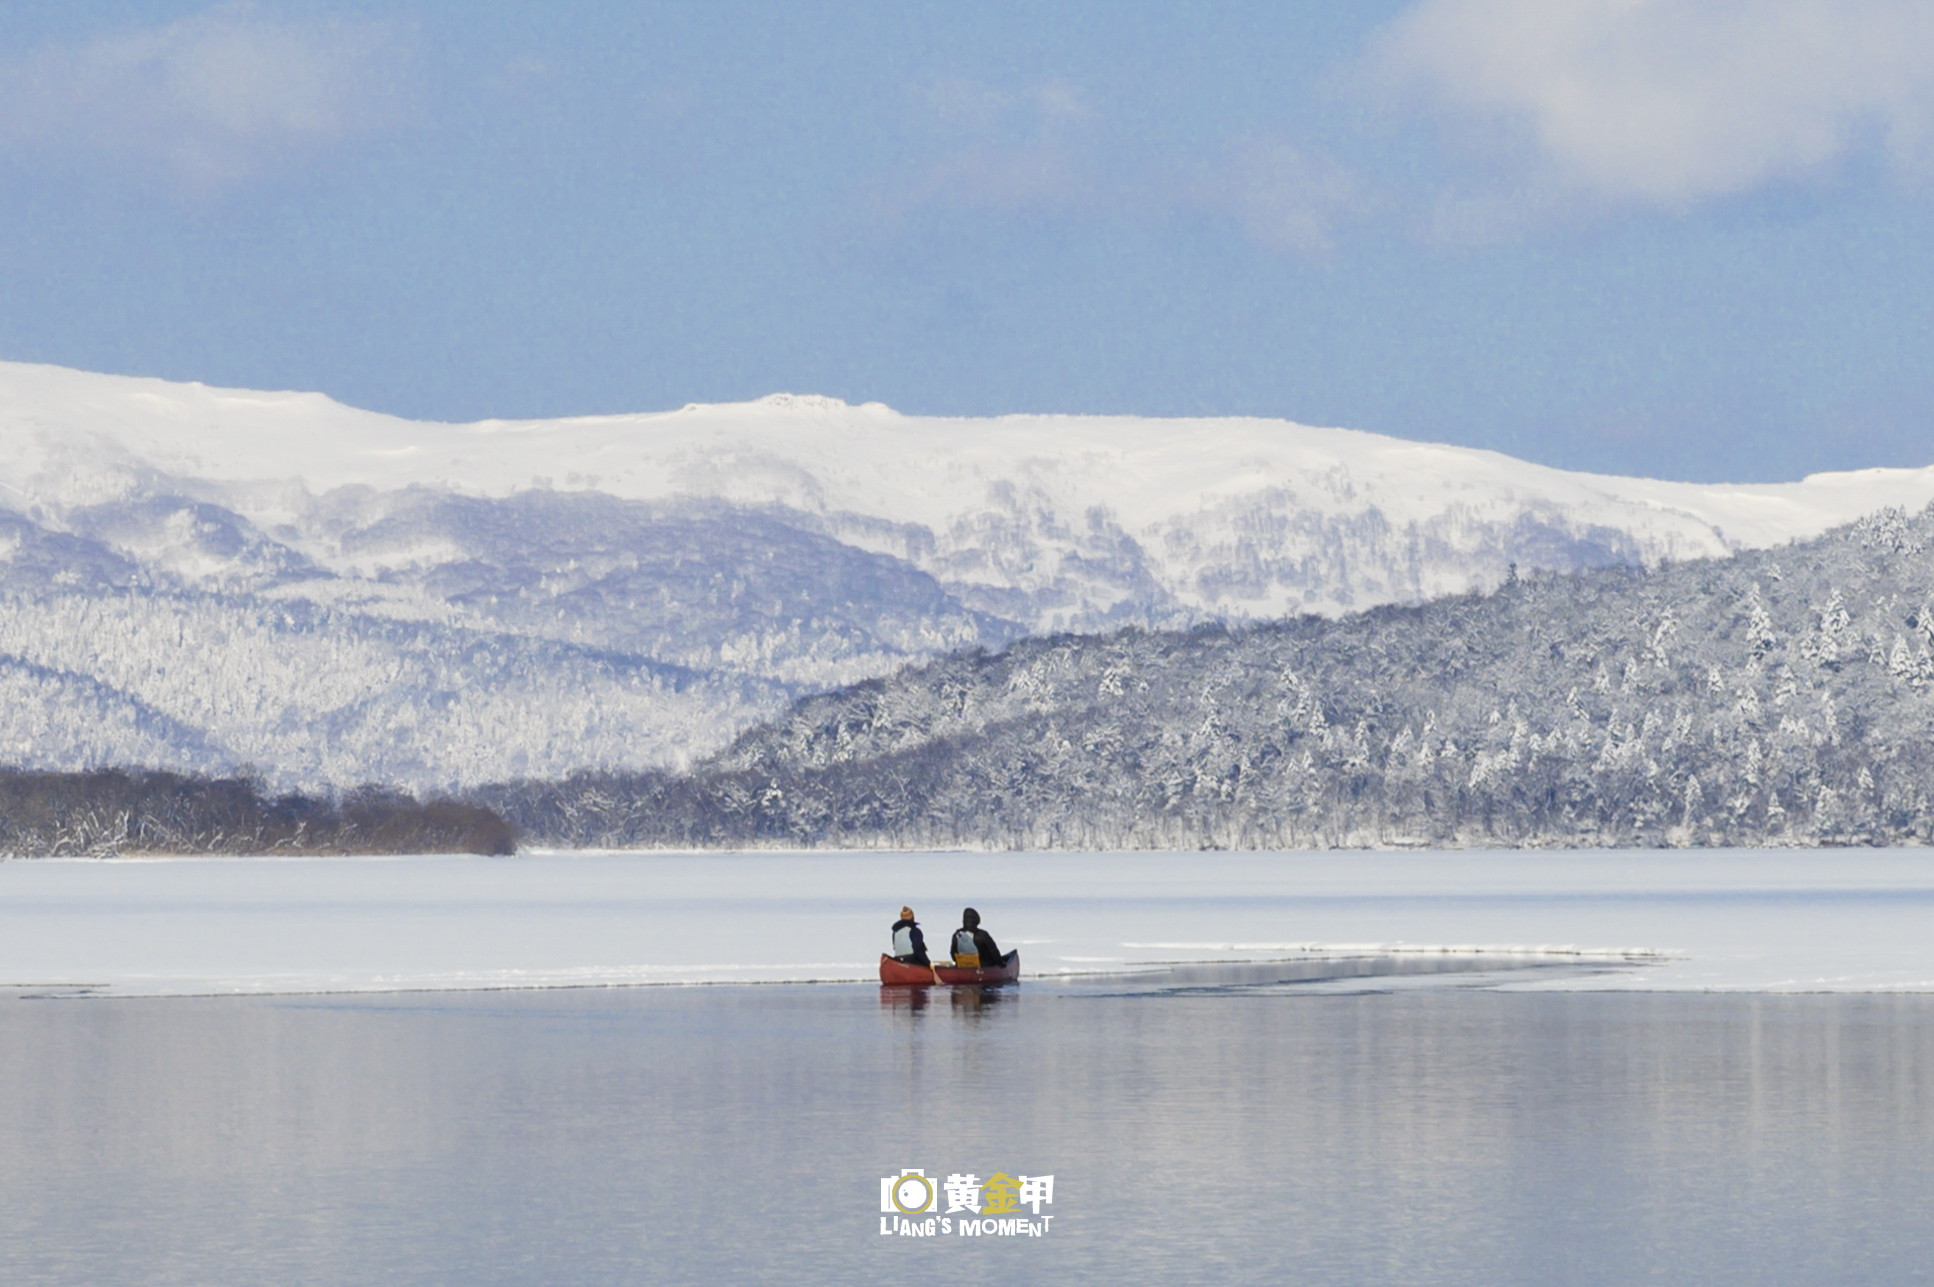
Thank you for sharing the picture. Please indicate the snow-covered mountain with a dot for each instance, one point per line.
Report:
(206, 578)
(1781, 697)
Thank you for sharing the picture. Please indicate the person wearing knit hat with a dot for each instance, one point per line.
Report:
(909, 944)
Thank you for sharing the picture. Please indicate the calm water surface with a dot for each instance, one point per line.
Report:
(1200, 1129)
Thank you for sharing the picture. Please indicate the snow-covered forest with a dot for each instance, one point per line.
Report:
(311, 695)
(108, 812)
(222, 581)
(1779, 697)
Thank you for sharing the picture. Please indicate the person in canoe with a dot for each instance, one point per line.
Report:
(909, 944)
(976, 960)
(974, 947)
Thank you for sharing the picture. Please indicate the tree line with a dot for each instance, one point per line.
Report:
(110, 812)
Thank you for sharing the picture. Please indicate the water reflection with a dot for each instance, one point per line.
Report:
(969, 1003)
(973, 1004)
(1370, 972)
(908, 1001)
(1205, 1129)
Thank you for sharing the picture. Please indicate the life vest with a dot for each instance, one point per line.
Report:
(966, 951)
(903, 941)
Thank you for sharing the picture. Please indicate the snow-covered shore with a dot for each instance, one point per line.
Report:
(1772, 921)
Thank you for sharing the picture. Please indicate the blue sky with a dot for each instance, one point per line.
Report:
(1678, 239)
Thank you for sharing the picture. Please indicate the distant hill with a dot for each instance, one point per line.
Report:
(1778, 697)
(216, 581)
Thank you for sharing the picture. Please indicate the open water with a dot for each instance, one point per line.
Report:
(1358, 1122)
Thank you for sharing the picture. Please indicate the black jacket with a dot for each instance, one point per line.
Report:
(984, 944)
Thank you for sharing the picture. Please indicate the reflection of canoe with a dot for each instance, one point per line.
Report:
(893, 972)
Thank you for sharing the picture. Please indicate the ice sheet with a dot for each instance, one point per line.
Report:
(1782, 921)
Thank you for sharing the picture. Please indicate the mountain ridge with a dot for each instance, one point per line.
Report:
(763, 550)
(1233, 517)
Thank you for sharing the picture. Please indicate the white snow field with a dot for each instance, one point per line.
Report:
(1769, 921)
(1232, 517)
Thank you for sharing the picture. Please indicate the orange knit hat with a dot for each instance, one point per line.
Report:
(906, 913)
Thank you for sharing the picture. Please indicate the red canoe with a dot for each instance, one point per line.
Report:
(893, 972)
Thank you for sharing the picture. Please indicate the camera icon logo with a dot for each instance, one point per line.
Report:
(908, 1193)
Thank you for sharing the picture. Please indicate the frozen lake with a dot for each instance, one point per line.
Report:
(1772, 921)
(1392, 1068)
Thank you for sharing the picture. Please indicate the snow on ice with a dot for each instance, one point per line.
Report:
(1797, 921)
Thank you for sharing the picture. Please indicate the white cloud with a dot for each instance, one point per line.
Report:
(1670, 102)
(1046, 147)
(207, 99)
(967, 104)
(1006, 149)
(1285, 197)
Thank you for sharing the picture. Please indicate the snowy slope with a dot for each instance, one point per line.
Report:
(1081, 514)
(171, 547)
